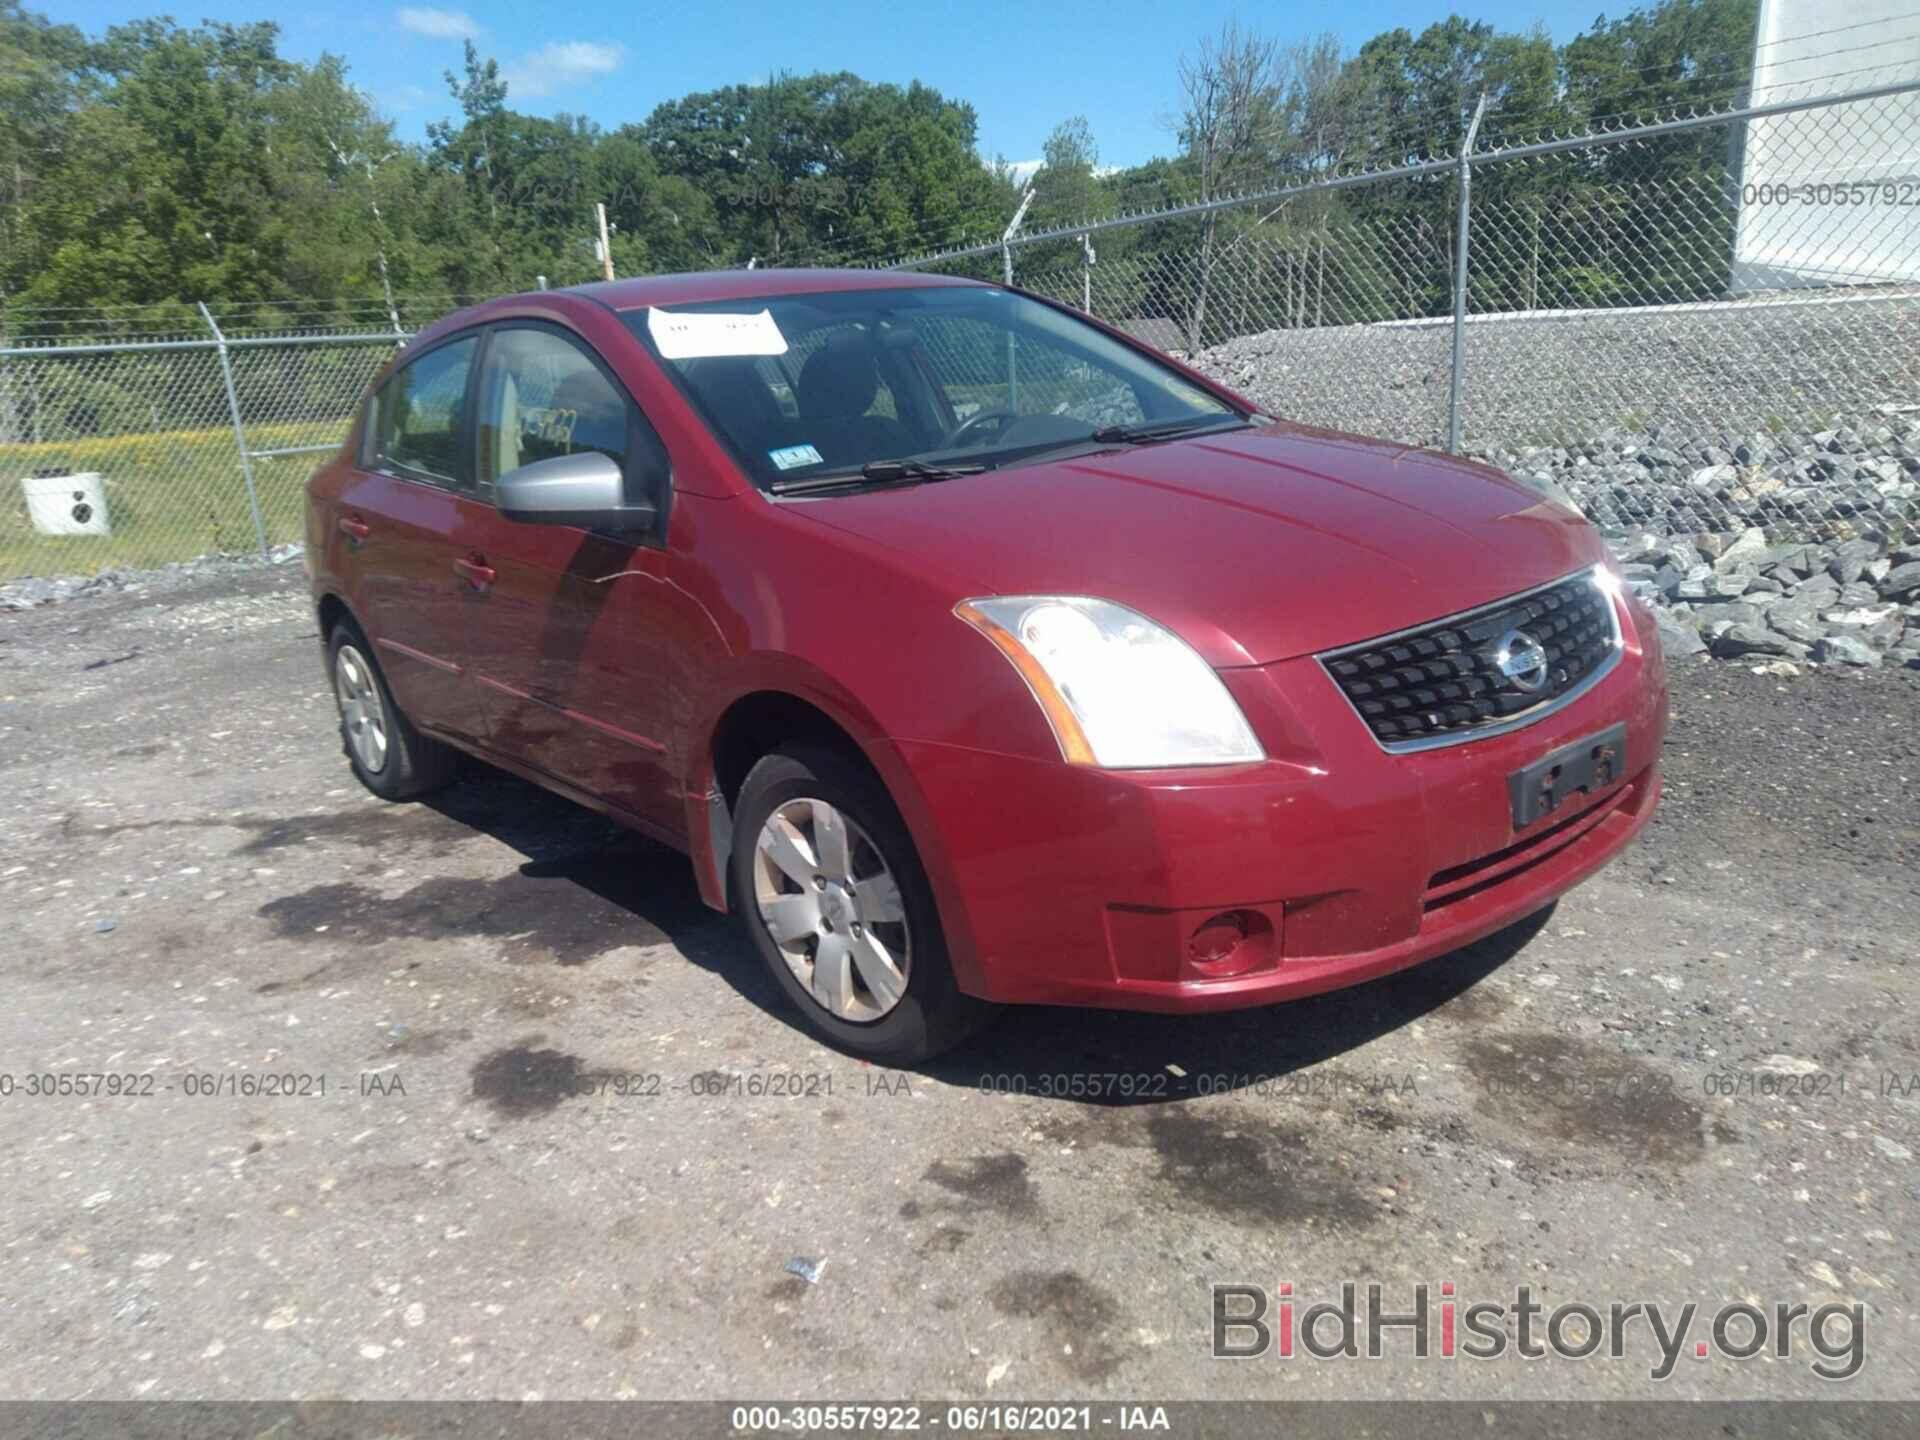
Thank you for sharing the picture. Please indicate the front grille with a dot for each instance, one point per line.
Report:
(1443, 683)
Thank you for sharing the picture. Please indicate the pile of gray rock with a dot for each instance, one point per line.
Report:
(1782, 545)
(1853, 602)
(1755, 465)
(32, 591)
(1846, 480)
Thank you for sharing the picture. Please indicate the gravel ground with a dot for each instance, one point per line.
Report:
(198, 892)
(29, 592)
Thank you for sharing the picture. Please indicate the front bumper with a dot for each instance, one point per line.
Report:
(1063, 884)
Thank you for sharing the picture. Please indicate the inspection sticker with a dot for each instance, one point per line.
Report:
(702, 335)
(792, 457)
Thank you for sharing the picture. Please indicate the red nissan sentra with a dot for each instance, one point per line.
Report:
(974, 652)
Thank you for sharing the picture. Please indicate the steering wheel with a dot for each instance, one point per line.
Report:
(1002, 417)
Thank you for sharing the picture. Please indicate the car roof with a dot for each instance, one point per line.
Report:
(648, 290)
(638, 293)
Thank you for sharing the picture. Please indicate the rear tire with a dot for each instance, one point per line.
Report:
(821, 852)
(389, 756)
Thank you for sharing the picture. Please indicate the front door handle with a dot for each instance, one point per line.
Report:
(475, 571)
(354, 528)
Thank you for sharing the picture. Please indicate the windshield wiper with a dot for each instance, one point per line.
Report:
(877, 472)
(1166, 430)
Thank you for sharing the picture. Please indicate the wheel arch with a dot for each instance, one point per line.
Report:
(330, 609)
(748, 726)
(763, 720)
(766, 718)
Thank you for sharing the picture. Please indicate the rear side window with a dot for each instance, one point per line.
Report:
(420, 411)
(540, 397)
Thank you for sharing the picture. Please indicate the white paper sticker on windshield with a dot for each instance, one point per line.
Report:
(702, 335)
(792, 457)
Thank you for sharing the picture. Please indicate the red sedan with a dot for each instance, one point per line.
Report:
(974, 652)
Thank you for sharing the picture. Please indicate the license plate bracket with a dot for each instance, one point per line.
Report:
(1588, 765)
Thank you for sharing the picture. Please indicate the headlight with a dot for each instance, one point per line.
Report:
(1120, 691)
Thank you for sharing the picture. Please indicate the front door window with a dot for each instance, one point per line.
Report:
(543, 397)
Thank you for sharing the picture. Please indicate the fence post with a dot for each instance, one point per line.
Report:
(239, 429)
(1460, 279)
(11, 430)
(1013, 228)
(1006, 260)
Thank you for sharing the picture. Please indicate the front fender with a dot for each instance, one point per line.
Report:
(709, 821)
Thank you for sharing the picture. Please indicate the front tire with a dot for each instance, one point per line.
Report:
(389, 756)
(831, 892)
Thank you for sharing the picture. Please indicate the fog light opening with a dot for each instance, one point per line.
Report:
(1229, 943)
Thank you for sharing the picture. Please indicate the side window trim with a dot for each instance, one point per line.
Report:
(468, 442)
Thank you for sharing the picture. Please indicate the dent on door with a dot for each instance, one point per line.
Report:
(572, 678)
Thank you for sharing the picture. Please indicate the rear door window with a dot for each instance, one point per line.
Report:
(420, 415)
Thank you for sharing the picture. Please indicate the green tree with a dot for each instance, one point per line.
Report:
(159, 164)
(43, 68)
(165, 186)
(1067, 185)
(824, 167)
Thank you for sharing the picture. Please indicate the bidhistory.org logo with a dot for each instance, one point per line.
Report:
(1247, 1326)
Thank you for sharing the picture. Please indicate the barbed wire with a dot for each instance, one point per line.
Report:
(943, 241)
(1356, 173)
(1613, 128)
(1604, 129)
(1743, 66)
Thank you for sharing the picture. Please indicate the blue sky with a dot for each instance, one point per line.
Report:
(1024, 66)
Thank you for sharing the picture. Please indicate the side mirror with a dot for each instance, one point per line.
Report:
(587, 490)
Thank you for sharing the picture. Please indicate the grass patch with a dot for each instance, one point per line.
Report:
(171, 495)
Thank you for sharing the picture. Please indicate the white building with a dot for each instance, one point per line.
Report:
(1831, 196)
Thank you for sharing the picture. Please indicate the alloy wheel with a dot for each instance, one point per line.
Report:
(832, 905)
(361, 710)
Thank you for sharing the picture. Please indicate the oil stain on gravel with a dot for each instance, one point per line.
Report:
(1268, 1178)
(521, 1081)
(984, 1182)
(1076, 1317)
(1564, 1090)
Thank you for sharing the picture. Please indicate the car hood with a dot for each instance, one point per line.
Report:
(1254, 546)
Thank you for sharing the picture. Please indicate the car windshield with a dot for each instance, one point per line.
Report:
(812, 386)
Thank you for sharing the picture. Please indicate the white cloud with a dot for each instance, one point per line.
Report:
(561, 63)
(437, 24)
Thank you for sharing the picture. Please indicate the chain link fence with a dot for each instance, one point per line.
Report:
(1702, 325)
(1690, 327)
(157, 445)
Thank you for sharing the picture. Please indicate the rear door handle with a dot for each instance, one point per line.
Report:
(354, 528)
(475, 571)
